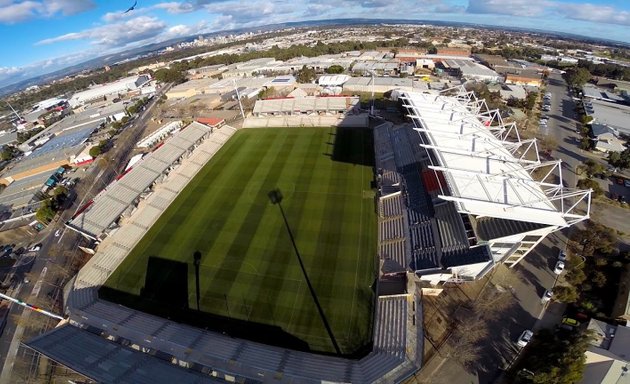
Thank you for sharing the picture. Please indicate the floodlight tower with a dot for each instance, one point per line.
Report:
(238, 97)
(14, 111)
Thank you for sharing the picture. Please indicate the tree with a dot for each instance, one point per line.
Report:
(170, 75)
(306, 75)
(599, 279)
(619, 160)
(9, 152)
(577, 77)
(591, 184)
(334, 69)
(586, 144)
(592, 168)
(45, 213)
(95, 151)
(530, 102)
(575, 276)
(565, 294)
(595, 238)
(547, 143)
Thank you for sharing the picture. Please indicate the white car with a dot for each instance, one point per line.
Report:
(559, 267)
(562, 256)
(525, 338)
(57, 233)
(546, 296)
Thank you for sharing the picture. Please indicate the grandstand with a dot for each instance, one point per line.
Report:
(309, 111)
(459, 182)
(103, 213)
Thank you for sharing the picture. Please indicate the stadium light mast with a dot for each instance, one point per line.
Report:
(275, 197)
(30, 306)
(372, 107)
(238, 97)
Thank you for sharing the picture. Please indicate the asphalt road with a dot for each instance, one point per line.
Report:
(68, 240)
(562, 127)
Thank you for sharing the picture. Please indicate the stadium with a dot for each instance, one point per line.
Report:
(198, 275)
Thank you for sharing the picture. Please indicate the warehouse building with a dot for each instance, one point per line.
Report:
(382, 84)
(470, 70)
(526, 78)
(616, 116)
(99, 92)
(57, 152)
(190, 88)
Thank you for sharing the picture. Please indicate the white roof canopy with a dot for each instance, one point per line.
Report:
(484, 176)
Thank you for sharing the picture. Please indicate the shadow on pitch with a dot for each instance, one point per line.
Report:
(165, 294)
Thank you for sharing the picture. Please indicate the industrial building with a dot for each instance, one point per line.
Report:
(591, 91)
(470, 70)
(453, 51)
(381, 67)
(190, 88)
(59, 151)
(616, 116)
(527, 78)
(119, 87)
(383, 84)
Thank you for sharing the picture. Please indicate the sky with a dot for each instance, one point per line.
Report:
(41, 36)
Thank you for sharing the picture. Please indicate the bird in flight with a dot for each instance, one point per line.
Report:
(132, 7)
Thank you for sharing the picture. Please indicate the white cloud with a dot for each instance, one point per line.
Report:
(528, 8)
(251, 13)
(176, 7)
(595, 13)
(15, 11)
(444, 8)
(115, 35)
(10, 70)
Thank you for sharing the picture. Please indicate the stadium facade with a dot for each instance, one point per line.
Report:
(458, 192)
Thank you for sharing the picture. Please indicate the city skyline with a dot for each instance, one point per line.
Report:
(47, 35)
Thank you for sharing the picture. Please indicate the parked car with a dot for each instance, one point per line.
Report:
(562, 256)
(570, 322)
(35, 247)
(546, 296)
(559, 267)
(525, 338)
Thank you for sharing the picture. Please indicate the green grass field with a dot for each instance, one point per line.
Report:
(250, 280)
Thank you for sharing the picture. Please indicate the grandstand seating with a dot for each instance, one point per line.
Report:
(201, 347)
(114, 200)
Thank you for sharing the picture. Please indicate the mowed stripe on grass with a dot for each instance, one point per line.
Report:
(249, 270)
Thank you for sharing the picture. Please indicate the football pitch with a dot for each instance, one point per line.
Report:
(250, 281)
